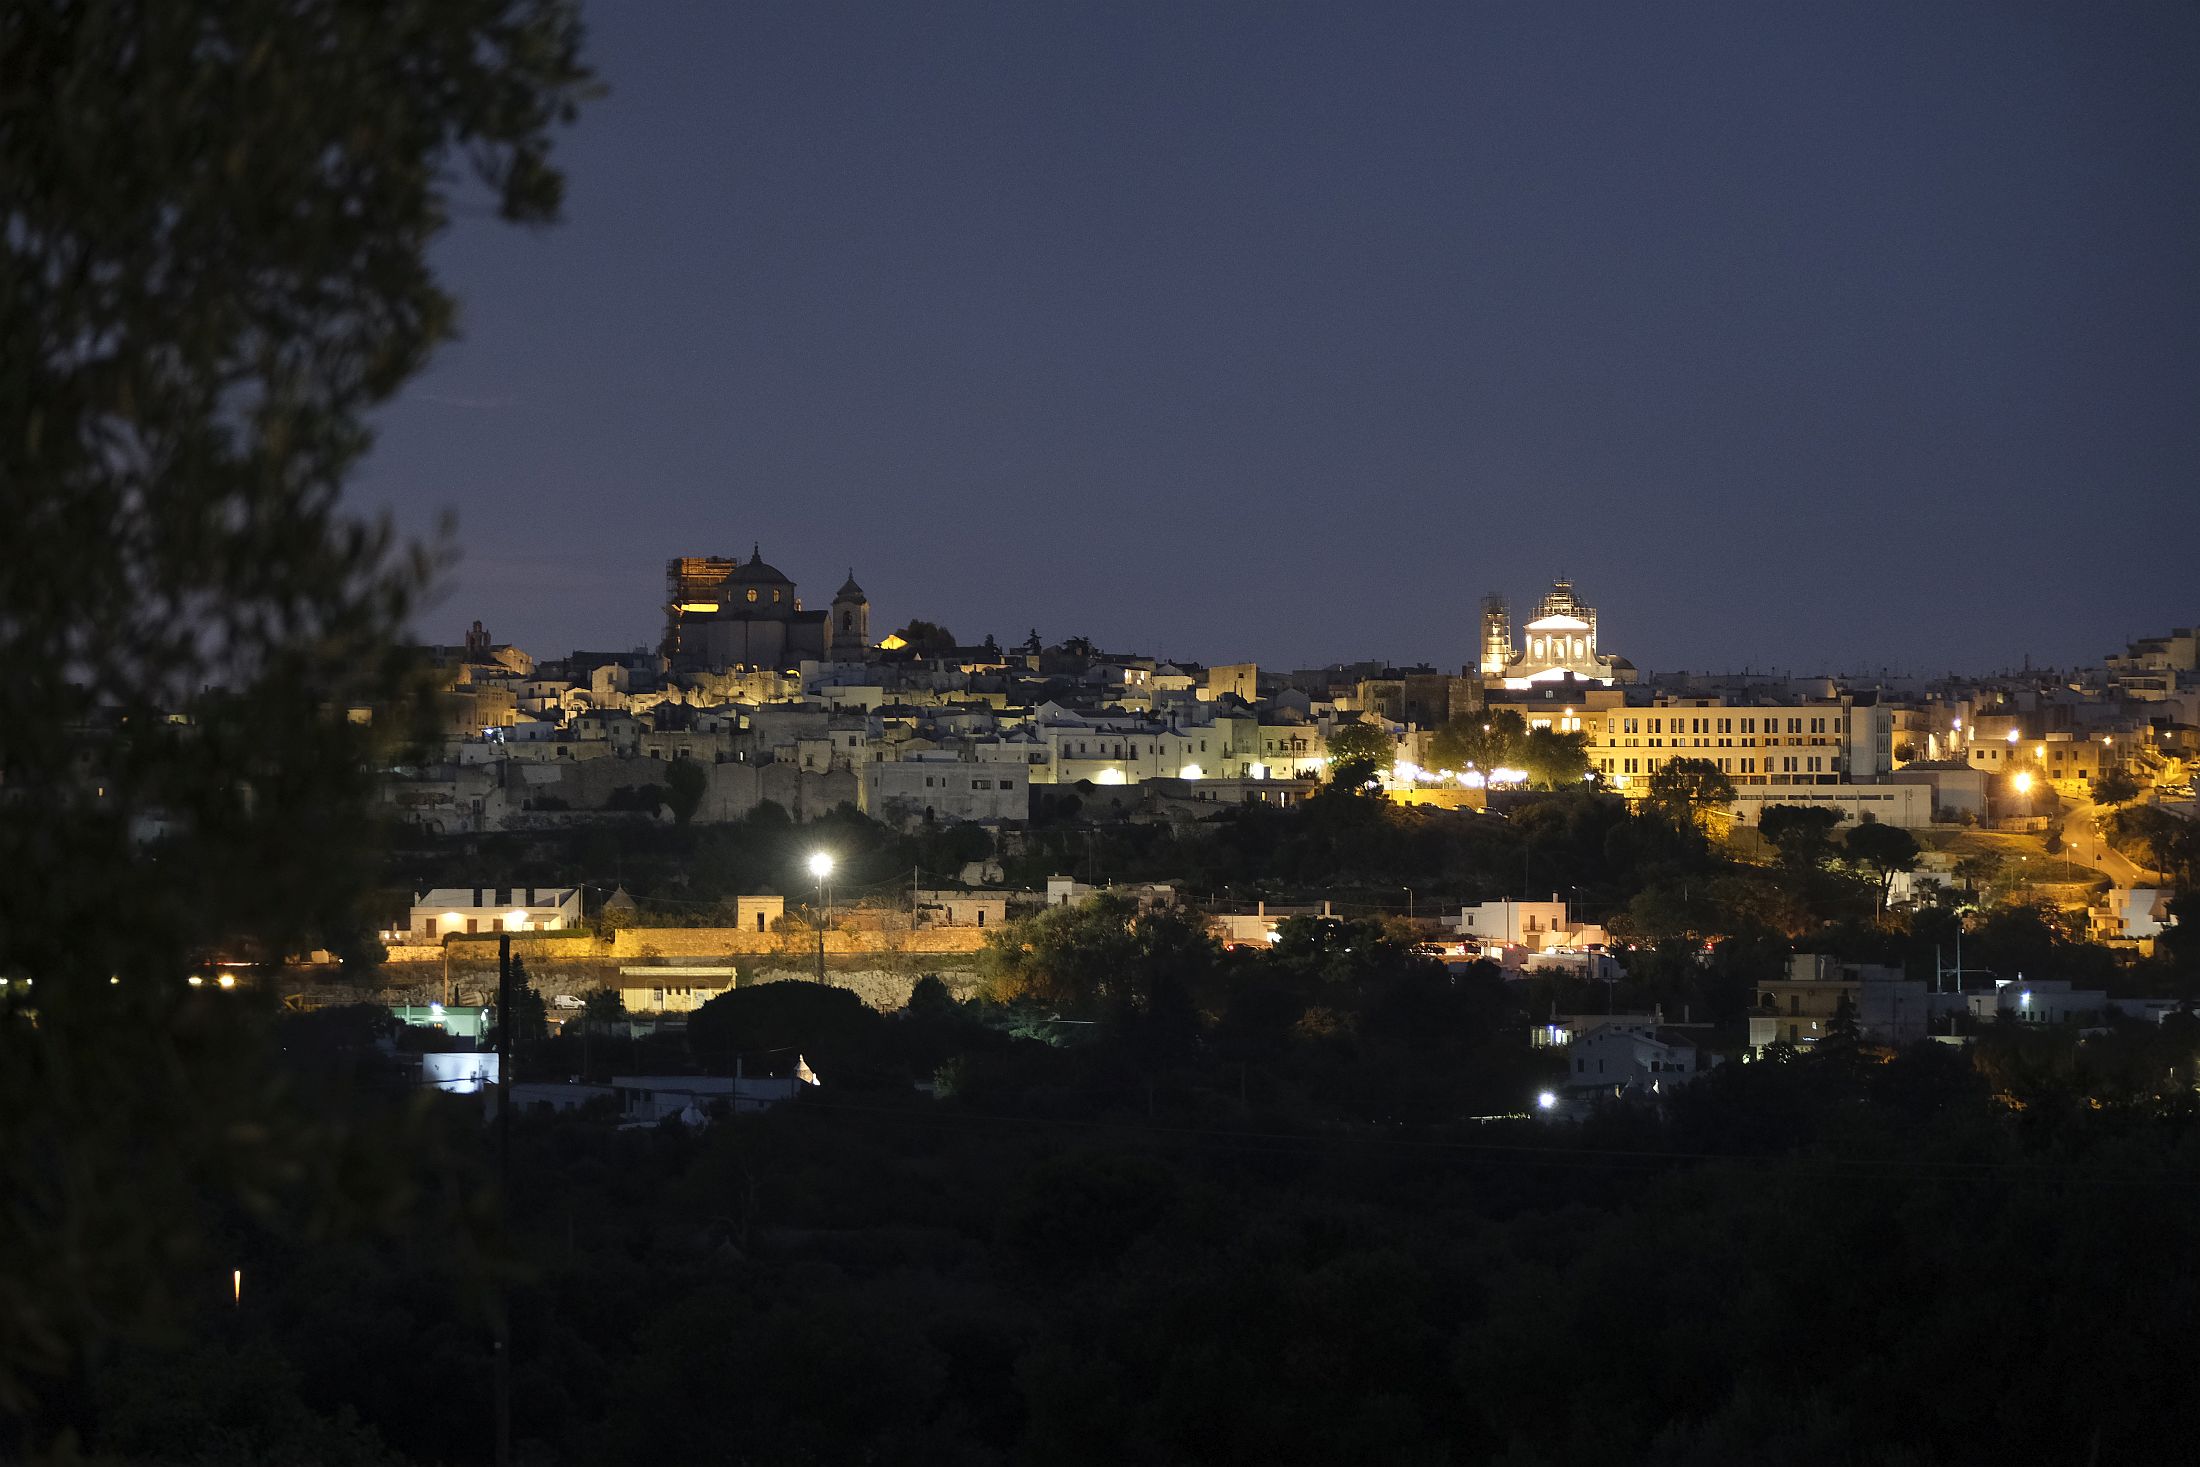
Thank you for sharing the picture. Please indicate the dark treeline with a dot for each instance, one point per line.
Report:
(1169, 1204)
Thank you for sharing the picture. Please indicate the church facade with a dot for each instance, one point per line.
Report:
(723, 613)
(1558, 644)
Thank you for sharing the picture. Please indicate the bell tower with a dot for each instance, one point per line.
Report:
(1497, 636)
(848, 634)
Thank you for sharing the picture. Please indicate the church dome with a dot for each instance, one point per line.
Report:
(754, 572)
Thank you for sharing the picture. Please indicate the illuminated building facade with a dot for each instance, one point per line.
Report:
(1821, 741)
(446, 911)
(1557, 644)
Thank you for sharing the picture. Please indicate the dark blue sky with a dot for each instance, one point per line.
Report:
(1800, 336)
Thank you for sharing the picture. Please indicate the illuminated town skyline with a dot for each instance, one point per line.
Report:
(1794, 338)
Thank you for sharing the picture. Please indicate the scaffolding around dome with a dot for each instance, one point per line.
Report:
(1558, 644)
(724, 612)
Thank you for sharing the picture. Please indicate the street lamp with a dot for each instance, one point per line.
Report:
(821, 868)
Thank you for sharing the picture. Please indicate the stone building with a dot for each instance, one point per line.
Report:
(722, 614)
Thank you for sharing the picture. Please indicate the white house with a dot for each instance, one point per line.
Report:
(646, 1100)
(2132, 913)
(1802, 1008)
(1537, 926)
(448, 910)
(2047, 1001)
(1564, 1029)
(1629, 1059)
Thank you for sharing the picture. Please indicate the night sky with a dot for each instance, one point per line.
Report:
(1813, 337)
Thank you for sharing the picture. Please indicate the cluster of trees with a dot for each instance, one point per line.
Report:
(1500, 738)
(1549, 759)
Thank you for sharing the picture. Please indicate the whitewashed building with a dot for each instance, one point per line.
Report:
(450, 910)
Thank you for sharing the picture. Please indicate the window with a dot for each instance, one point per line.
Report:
(752, 597)
(1008, 784)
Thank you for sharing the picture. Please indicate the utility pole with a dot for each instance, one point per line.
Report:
(503, 1349)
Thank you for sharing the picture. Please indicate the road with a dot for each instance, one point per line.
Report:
(2082, 840)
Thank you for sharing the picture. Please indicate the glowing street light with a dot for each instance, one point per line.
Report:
(821, 867)
(1546, 1101)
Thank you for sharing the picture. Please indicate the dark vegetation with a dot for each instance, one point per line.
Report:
(1240, 1215)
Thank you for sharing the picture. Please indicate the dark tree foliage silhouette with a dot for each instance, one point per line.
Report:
(685, 783)
(1686, 788)
(1802, 834)
(214, 226)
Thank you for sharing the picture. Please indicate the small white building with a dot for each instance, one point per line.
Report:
(1536, 926)
(673, 988)
(1803, 1008)
(961, 908)
(1629, 1059)
(1564, 1029)
(646, 1100)
(758, 913)
(2132, 913)
(2047, 1001)
(448, 910)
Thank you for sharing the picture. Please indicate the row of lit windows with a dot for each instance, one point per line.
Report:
(1106, 751)
(1800, 741)
(1784, 764)
(1818, 725)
